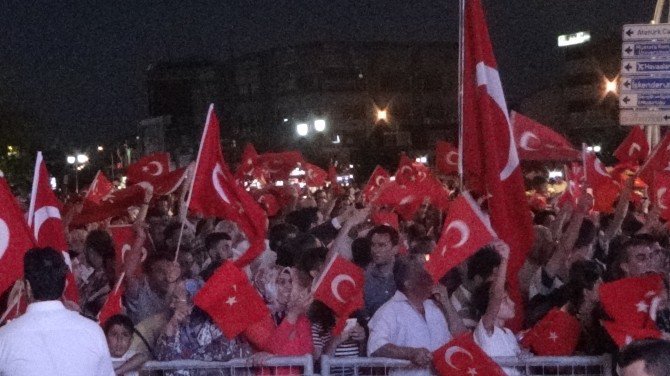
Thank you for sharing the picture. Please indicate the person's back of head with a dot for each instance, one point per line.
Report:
(213, 239)
(280, 233)
(483, 263)
(360, 252)
(289, 253)
(646, 357)
(45, 270)
(304, 218)
(311, 263)
(422, 246)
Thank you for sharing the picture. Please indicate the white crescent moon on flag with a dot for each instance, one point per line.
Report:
(422, 175)
(525, 138)
(462, 228)
(41, 215)
(405, 167)
(598, 166)
(335, 284)
(450, 159)
(633, 148)
(406, 200)
(379, 180)
(491, 79)
(127, 247)
(659, 198)
(454, 350)
(217, 184)
(159, 168)
(4, 237)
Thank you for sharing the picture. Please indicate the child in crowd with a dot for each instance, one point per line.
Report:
(119, 333)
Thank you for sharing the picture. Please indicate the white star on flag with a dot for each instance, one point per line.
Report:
(231, 301)
(472, 371)
(642, 306)
(650, 294)
(553, 336)
(145, 169)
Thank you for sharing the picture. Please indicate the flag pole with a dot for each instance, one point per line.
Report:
(461, 67)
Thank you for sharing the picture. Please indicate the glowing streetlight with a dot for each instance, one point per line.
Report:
(319, 125)
(71, 159)
(302, 129)
(610, 86)
(100, 148)
(382, 115)
(82, 158)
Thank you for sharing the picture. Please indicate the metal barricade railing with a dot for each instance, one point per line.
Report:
(528, 366)
(276, 365)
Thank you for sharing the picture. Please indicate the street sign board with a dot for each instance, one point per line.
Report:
(653, 100)
(645, 83)
(632, 117)
(645, 32)
(645, 49)
(644, 66)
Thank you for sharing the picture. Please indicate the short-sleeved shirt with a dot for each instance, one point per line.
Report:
(52, 340)
(502, 342)
(398, 323)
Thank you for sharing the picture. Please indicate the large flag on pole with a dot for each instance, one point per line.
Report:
(488, 150)
(215, 193)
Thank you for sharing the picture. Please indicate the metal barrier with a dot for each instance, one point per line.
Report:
(528, 366)
(295, 365)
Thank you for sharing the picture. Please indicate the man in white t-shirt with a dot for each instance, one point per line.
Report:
(411, 326)
(50, 339)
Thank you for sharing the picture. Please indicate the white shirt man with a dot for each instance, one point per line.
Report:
(50, 339)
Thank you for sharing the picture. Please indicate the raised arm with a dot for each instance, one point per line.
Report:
(497, 292)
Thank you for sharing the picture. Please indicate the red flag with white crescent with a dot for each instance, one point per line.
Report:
(148, 168)
(462, 356)
(659, 193)
(113, 305)
(315, 176)
(634, 147)
(537, 142)
(658, 160)
(465, 231)
(124, 237)
(377, 179)
(15, 238)
(340, 286)
(489, 151)
(215, 193)
(446, 157)
(605, 189)
(100, 187)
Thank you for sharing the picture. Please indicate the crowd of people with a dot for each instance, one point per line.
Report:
(405, 314)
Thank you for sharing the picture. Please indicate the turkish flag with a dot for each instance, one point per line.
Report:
(99, 188)
(463, 357)
(230, 299)
(332, 177)
(340, 286)
(215, 193)
(15, 238)
(401, 198)
(168, 183)
(446, 158)
(148, 168)
(409, 172)
(115, 204)
(386, 218)
(124, 237)
(605, 189)
(634, 147)
(658, 192)
(489, 152)
(113, 305)
(45, 220)
(465, 231)
(269, 203)
(557, 334)
(379, 176)
(247, 162)
(537, 142)
(315, 176)
(278, 166)
(659, 160)
(44, 211)
(623, 334)
(628, 301)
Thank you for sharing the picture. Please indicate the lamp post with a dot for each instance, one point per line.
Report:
(77, 163)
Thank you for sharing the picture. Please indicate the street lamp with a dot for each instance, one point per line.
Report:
(319, 125)
(610, 86)
(100, 148)
(71, 159)
(382, 115)
(82, 158)
(77, 163)
(302, 129)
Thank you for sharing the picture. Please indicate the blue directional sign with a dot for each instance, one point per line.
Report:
(645, 83)
(645, 32)
(645, 66)
(636, 50)
(646, 100)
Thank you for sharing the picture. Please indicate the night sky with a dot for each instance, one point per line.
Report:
(80, 64)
